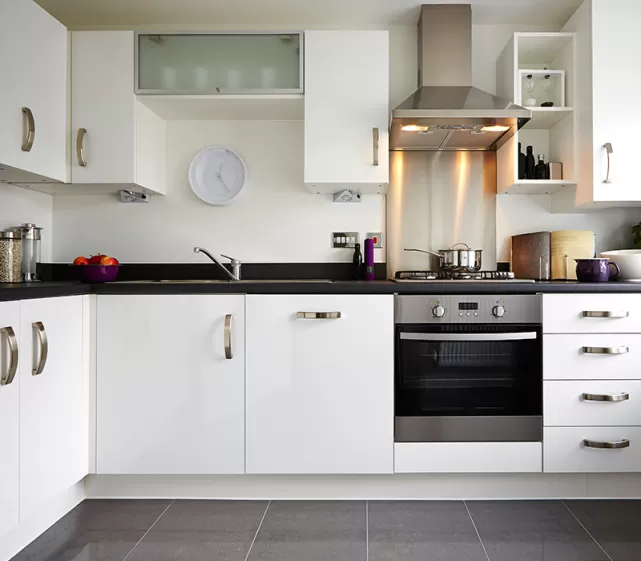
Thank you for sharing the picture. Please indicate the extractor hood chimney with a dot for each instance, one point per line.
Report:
(447, 112)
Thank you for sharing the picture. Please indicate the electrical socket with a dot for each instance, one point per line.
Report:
(345, 239)
(377, 237)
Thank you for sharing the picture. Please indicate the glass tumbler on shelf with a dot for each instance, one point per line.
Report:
(529, 85)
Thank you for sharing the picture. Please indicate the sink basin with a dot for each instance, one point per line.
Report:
(212, 281)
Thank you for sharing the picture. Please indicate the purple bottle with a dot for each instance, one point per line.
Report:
(368, 259)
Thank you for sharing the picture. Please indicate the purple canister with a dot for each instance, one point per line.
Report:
(595, 270)
(368, 259)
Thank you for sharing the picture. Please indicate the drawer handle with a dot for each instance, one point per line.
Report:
(619, 314)
(318, 315)
(606, 350)
(605, 397)
(228, 351)
(625, 443)
(13, 354)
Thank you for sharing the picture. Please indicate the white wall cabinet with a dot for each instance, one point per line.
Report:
(171, 398)
(9, 416)
(124, 142)
(607, 97)
(346, 101)
(53, 442)
(33, 66)
(320, 392)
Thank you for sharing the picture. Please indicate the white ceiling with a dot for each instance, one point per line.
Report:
(312, 13)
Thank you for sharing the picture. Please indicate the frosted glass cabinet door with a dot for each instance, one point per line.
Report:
(219, 63)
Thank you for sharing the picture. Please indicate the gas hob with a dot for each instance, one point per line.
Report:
(456, 276)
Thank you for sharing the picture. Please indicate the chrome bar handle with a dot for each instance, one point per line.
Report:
(80, 148)
(620, 314)
(605, 397)
(608, 151)
(13, 354)
(376, 144)
(623, 443)
(318, 315)
(606, 350)
(44, 348)
(228, 351)
(30, 131)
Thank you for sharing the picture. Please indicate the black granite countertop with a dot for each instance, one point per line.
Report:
(52, 289)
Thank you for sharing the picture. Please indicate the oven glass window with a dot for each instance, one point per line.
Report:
(463, 371)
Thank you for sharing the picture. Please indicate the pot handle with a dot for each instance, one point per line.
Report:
(461, 243)
(617, 271)
(424, 251)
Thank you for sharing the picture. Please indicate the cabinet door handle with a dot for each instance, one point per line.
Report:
(620, 314)
(608, 151)
(30, 130)
(228, 351)
(13, 356)
(624, 443)
(376, 144)
(605, 397)
(318, 315)
(606, 350)
(40, 330)
(80, 147)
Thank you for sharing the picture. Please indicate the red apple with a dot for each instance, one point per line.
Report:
(81, 260)
(108, 261)
(95, 259)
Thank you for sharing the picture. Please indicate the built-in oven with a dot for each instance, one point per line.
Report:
(468, 368)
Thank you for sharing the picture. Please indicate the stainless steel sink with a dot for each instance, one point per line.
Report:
(211, 281)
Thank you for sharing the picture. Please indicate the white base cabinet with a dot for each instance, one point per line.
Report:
(171, 384)
(320, 392)
(53, 444)
(33, 66)
(9, 417)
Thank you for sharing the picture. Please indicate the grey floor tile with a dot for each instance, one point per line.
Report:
(96, 530)
(422, 531)
(532, 531)
(207, 530)
(615, 524)
(312, 531)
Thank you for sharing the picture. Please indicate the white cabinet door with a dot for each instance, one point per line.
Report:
(616, 111)
(33, 65)
(346, 98)
(171, 399)
(9, 417)
(124, 142)
(320, 392)
(53, 447)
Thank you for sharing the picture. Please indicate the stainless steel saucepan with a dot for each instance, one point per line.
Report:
(453, 259)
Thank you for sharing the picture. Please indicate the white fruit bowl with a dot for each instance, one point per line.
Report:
(629, 262)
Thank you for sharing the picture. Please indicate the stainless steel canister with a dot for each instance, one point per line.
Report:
(10, 257)
(31, 240)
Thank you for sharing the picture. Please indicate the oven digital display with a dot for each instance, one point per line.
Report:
(468, 306)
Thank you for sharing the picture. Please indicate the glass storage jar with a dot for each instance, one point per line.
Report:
(10, 257)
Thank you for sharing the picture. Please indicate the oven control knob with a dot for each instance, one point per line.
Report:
(438, 311)
(498, 311)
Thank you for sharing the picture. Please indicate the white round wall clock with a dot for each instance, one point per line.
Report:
(217, 176)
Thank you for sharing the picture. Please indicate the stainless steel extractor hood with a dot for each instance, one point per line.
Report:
(447, 112)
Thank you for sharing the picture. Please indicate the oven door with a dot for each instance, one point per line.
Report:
(459, 383)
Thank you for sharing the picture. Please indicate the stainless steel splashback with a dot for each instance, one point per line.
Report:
(437, 199)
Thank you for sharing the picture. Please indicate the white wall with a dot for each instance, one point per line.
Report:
(19, 205)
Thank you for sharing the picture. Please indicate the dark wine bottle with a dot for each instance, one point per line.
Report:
(540, 172)
(521, 163)
(530, 164)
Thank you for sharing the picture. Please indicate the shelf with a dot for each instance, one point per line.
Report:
(541, 48)
(250, 107)
(547, 117)
(538, 186)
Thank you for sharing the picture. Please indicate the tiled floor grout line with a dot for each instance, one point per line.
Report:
(149, 530)
(257, 530)
(366, 530)
(586, 530)
(476, 530)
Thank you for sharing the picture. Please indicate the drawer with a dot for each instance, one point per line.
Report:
(564, 450)
(565, 404)
(468, 457)
(592, 313)
(584, 357)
